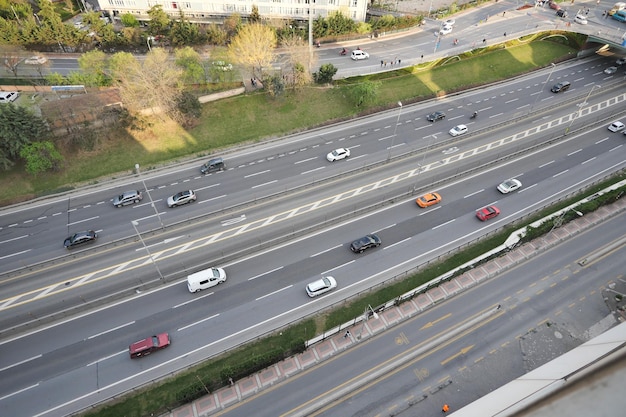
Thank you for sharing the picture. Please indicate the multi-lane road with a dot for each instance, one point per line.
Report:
(83, 360)
(280, 216)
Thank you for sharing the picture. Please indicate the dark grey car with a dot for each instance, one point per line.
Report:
(438, 115)
(80, 238)
(215, 164)
(366, 242)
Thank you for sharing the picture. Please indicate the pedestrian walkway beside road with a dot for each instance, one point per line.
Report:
(349, 337)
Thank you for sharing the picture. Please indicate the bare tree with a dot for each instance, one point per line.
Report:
(11, 56)
(254, 47)
(153, 84)
(298, 57)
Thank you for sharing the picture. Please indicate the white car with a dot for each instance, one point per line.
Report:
(358, 55)
(580, 19)
(338, 154)
(321, 286)
(181, 198)
(36, 60)
(449, 22)
(458, 130)
(616, 126)
(445, 29)
(610, 70)
(509, 186)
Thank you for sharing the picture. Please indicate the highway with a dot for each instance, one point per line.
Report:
(280, 216)
(85, 358)
(548, 296)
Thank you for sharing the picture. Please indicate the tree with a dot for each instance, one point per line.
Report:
(299, 59)
(191, 63)
(325, 74)
(275, 85)
(41, 156)
(93, 65)
(254, 17)
(155, 83)
(12, 57)
(184, 32)
(254, 47)
(364, 92)
(18, 127)
(129, 20)
(159, 23)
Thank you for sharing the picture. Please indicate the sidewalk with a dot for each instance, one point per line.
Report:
(239, 390)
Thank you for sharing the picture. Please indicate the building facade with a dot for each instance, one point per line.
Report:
(215, 11)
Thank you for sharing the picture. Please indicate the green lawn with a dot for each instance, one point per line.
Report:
(254, 117)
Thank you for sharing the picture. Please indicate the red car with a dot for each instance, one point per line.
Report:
(147, 346)
(554, 5)
(487, 213)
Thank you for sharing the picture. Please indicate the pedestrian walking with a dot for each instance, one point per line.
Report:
(484, 40)
(381, 62)
(503, 13)
(422, 57)
(445, 408)
(347, 334)
(505, 34)
(399, 61)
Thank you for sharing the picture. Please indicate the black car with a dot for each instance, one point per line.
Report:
(561, 13)
(562, 86)
(366, 242)
(80, 238)
(438, 115)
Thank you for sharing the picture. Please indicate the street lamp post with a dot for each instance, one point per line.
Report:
(135, 224)
(580, 108)
(149, 196)
(557, 222)
(543, 86)
(366, 316)
(148, 40)
(395, 129)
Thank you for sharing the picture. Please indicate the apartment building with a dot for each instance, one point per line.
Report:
(214, 11)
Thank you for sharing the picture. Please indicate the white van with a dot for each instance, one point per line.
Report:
(206, 278)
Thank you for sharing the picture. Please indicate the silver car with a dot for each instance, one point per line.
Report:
(181, 198)
(127, 197)
(509, 186)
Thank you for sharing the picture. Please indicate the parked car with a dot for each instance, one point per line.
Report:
(620, 16)
(321, 286)
(181, 198)
(561, 13)
(428, 200)
(127, 197)
(337, 154)
(358, 55)
(438, 115)
(148, 345)
(449, 22)
(580, 19)
(458, 130)
(509, 186)
(8, 96)
(610, 70)
(215, 164)
(616, 126)
(364, 243)
(487, 213)
(80, 238)
(560, 87)
(36, 60)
